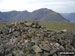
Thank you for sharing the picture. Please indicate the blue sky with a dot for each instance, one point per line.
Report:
(61, 6)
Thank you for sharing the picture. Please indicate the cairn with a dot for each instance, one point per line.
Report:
(32, 39)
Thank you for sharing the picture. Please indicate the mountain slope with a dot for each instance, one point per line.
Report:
(69, 16)
(15, 15)
(43, 14)
(48, 15)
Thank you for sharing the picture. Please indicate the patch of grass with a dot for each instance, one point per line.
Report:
(50, 25)
(58, 26)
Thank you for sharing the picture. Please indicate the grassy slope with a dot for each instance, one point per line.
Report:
(50, 25)
(59, 26)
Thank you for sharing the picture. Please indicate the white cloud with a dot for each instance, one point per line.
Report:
(56, 5)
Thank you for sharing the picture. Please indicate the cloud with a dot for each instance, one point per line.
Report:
(30, 5)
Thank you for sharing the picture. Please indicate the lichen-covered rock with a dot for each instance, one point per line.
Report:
(18, 53)
(36, 48)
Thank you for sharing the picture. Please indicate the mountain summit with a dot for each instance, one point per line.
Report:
(42, 14)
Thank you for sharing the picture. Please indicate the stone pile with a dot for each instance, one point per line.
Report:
(32, 39)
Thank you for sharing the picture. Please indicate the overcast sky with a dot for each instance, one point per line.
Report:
(61, 6)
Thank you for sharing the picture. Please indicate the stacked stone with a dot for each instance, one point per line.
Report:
(32, 39)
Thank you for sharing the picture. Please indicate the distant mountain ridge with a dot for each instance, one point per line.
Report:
(69, 16)
(42, 14)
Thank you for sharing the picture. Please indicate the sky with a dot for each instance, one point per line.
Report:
(61, 6)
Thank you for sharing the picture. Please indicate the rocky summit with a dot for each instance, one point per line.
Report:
(32, 39)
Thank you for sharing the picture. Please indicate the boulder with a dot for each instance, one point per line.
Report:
(36, 48)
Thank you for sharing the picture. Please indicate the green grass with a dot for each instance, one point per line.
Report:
(51, 25)
(58, 26)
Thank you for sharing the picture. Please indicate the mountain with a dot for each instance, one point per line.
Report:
(42, 14)
(69, 16)
(14, 15)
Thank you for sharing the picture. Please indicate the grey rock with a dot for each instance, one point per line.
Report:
(16, 33)
(36, 48)
(5, 31)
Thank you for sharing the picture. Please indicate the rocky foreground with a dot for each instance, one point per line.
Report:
(32, 39)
